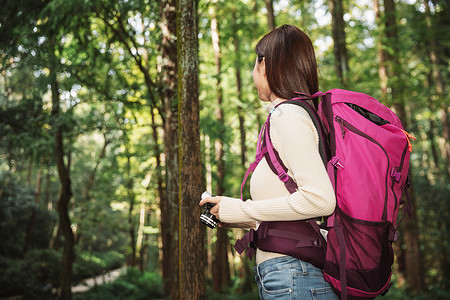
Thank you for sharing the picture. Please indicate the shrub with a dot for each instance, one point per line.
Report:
(33, 276)
(132, 285)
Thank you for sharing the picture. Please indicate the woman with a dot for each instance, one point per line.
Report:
(285, 63)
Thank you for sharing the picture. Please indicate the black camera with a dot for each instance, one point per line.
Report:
(207, 217)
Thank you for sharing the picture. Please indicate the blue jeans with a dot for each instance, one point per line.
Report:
(290, 278)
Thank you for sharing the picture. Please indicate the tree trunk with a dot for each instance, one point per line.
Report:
(270, 15)
(65, 193)
(340, 46)
(192, 232)
(131, 200)
(237, 67)
(221, 268)
(32, 220)
(140, 234)
(414, 274)
(208, 177)
(382, 73)
(394, 68)
(47, 201)
(413, 257)
(169, 203)
(439, 84)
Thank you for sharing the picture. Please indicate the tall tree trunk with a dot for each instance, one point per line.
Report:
(244, 269)
(340, 46)
(394, 68)
(131, 199)
(47, 201)
(237, 67)
(208, 177)
(413, 256)
(169, 203)
(270, 15)
(221, 268)
(192, 232)
(144, 215)
(382, 72)
(32, 220)
(65, 193)
(439, 84)
(140, 234)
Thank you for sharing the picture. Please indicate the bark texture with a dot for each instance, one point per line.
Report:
(221, 268)
(270, 15)
(65, 193)
(382, 73)
(191, 231)
(169, 200)
(340, 46)
(439, 87)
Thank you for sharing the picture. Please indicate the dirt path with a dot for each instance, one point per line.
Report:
(99, 280)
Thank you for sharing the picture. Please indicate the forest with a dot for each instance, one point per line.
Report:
(115, 116)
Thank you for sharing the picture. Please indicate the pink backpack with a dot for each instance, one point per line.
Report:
(368, 167)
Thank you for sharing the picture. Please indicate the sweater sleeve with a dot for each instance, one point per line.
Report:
(295, 138)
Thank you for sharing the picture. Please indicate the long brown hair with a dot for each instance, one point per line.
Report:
(290, 62)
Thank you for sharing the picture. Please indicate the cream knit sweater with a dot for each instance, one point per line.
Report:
(295, 138)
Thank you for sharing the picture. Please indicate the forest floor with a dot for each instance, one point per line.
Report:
(107, 277)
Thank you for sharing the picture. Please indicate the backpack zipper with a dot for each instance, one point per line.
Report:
(344, 124)
(341, 124)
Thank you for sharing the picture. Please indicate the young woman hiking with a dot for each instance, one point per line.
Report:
(285, 64)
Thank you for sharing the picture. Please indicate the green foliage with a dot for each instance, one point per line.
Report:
(16, 207)
(234, 292)
(399, 292)
(37, 273)
(132, 285)
(32, 276)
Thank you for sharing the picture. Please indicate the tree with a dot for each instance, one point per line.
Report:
(169, 211)
(237, 67)
(340, 45)
(65, 193)
(191, 234)
(412, 254)
(221, 268)
(270, 15)
(382, 73)
(439, 84)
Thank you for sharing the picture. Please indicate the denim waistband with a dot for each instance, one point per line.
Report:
(285, 262)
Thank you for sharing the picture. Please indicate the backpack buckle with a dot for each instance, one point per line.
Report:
(393, 235)
(396, 174)
(317, 243)
(283, 176)
(337, 163)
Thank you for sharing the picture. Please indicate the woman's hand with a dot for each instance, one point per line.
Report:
(215, 209)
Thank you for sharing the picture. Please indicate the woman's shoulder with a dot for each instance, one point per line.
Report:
(291, 119)
(287, 111)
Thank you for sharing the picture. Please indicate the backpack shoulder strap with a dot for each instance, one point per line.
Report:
(273, 159)
(323, 140)
(267, 150)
